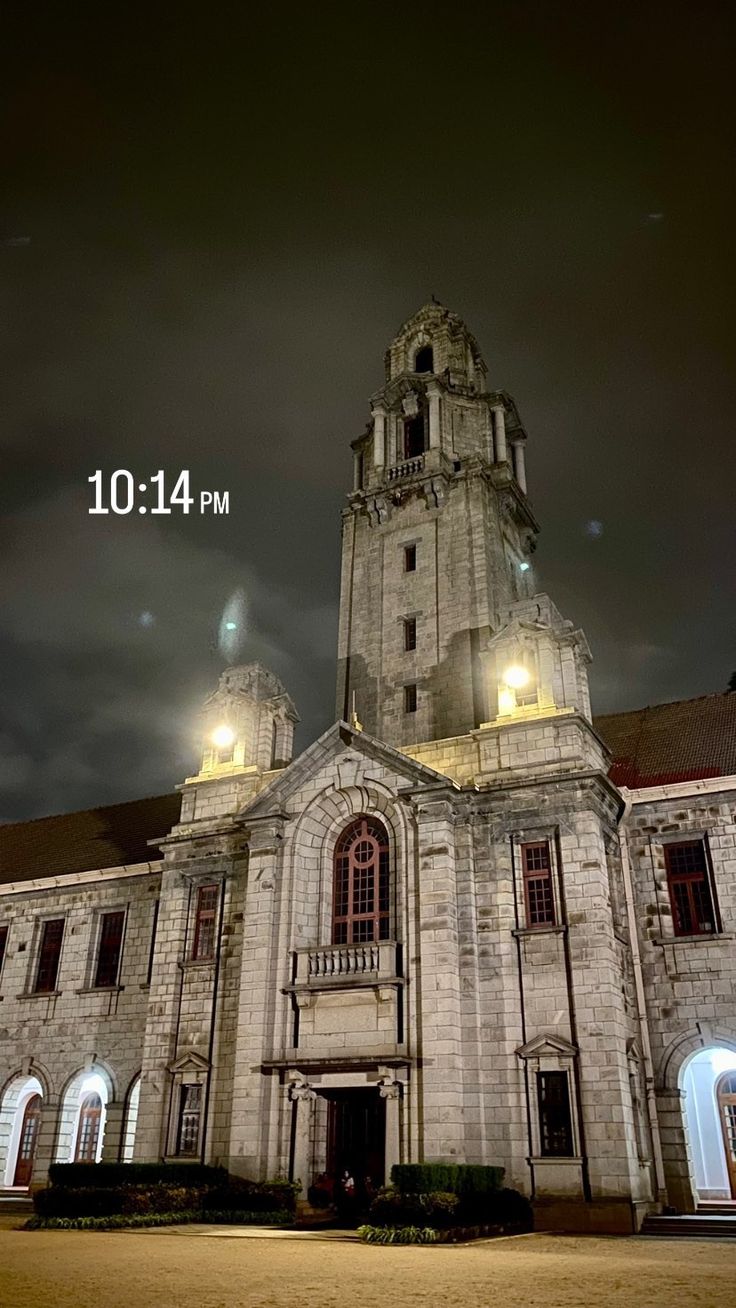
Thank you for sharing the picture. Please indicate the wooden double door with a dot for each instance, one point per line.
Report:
(356, 1137)
(29, 1130)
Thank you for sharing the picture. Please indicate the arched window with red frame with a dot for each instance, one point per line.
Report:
(361, 905)
(88, 1131)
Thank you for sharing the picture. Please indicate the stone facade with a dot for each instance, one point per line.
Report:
(541, 1020)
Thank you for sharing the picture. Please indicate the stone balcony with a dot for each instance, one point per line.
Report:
(374, 963)
(408, 468)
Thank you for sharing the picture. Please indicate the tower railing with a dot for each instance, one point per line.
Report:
(409, 468)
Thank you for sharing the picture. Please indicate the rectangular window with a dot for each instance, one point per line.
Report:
(410, 699)
(410, 558)
(204, 927)
(111, 943)
(538, 895)
(689, 887)
(3, 944)
(555, 1124)
(190, 1112)
(410, 633)
(49, 955)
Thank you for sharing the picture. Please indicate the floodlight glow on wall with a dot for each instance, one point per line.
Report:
(223, 737)
(516, 677)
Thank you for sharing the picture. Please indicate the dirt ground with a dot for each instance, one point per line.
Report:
(218, 1269)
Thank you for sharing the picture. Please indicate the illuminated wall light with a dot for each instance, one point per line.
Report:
(223, 737)
(516, 677)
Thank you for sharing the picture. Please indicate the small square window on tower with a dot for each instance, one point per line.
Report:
(410, 699)
(410, 633)
(410, 558)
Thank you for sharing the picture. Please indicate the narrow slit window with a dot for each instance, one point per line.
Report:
(410, 633)
(555, 1122)
(410, 558)
(204, 926)
(410, 699)
(3, 945)
(49, 955)
(539, 898)
(111, 943)
(190, 1115)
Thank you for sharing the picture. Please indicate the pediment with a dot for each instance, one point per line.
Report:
(189, 1062)
(349, 749)
(547, 1046)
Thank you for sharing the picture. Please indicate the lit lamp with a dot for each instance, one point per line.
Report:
(513, 679)
(517, 677)
(223, 739)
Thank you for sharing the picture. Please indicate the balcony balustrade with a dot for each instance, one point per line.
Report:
(372, 962)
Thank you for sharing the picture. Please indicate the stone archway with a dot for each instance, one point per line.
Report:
(701, 1078)
(19, 1129)
(77, 1104)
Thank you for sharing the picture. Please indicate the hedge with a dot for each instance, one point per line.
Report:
(463, 1179)
(121, 1222)
(234, 1195)
(83, 1176)
(500, 1209)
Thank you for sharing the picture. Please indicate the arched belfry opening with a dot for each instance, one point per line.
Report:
(424, 359)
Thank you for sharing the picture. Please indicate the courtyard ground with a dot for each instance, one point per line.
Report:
(225, 1268)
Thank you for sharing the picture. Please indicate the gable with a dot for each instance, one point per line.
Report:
(347, 751)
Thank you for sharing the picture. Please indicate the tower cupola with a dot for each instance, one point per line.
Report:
(248, 722)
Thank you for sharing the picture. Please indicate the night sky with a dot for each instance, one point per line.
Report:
(213, 223)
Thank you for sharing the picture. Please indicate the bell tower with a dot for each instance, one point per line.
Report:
(437, 538)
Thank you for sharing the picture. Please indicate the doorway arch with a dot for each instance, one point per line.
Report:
(20, 1120)
(709, 1109)
(82, 1121)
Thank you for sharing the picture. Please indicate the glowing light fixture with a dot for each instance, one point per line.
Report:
(516, 677)
(524, 567)
(223, 737)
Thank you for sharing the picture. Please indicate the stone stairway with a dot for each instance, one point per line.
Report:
(713, 1223)
(15, 1201)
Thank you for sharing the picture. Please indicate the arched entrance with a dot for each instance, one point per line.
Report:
(82, 1121)
(20, 1122)
(709, 1086)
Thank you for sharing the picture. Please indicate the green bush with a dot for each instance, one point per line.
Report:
(57, 1201)
(463, 1179)
(391, 1208)
(252, 1196)
(119, 1222)
(83, 1176)
(397, 1234)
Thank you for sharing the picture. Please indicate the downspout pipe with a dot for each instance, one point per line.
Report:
(641, 1003)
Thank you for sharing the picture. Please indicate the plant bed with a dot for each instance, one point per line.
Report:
(130, 1221)
(429, 1235)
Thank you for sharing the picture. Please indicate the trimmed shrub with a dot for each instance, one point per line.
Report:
(390, 1208)
(397, 1234)
(463, 1179)
(119, 1222)
(83, 1176)
(57, 1201)
(251, 1196)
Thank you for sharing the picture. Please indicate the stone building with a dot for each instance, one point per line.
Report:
(467, 923)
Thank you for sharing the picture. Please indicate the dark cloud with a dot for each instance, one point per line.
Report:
(228, 217)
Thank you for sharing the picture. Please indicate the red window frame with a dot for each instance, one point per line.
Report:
(204, 923)
(110, 948)
(539, 898)
(49, 954)
(690, 892)
(190, 1117)
(361, 901)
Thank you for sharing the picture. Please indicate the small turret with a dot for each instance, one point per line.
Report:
(248, 722)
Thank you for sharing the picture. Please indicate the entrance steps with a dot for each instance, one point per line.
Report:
(703, 1225)
(15, 1201)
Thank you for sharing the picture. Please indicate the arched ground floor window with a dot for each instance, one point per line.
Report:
(82, 1119)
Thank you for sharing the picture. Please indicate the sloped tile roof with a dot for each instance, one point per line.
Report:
(82, 842)
(687, 740)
